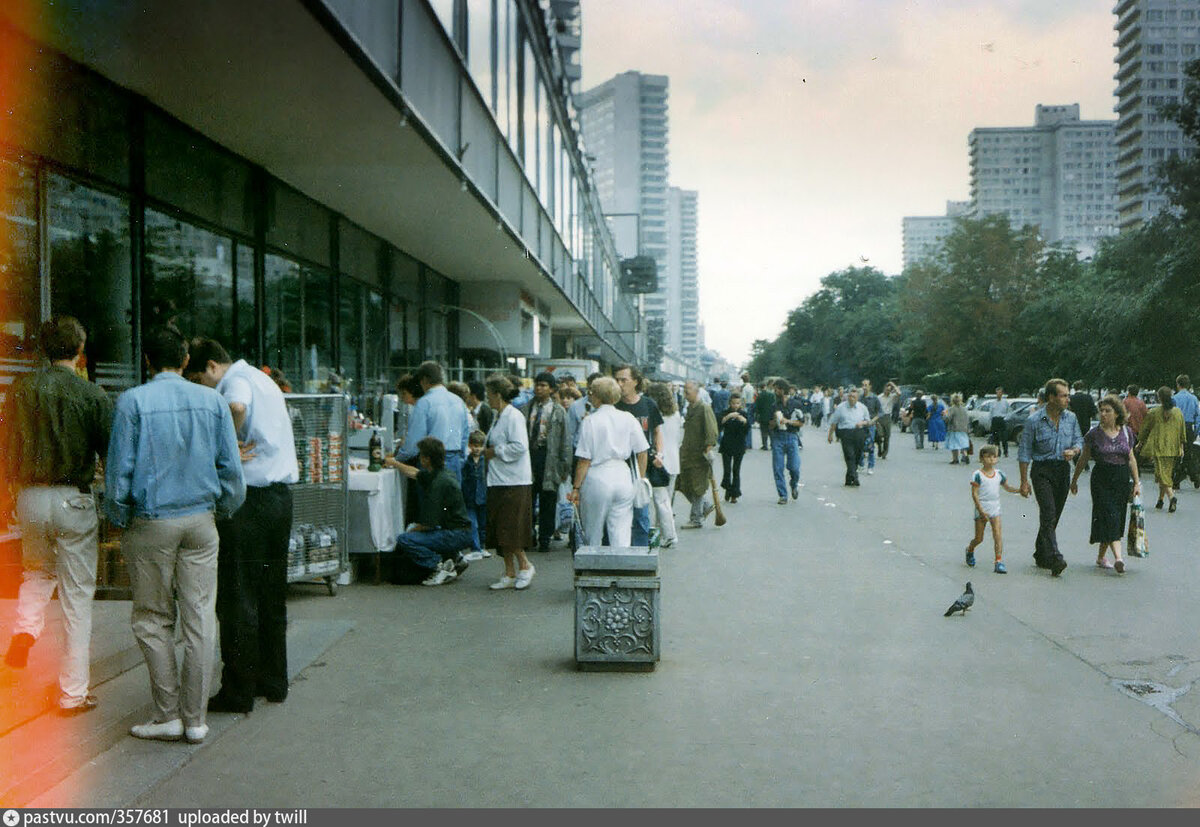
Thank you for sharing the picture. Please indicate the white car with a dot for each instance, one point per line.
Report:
(981, 417)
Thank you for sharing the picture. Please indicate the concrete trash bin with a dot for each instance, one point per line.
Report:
(617, 610)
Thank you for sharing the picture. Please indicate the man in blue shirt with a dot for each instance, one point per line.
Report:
(786, 417)
(440, 414)
(1188, 405)
(172, 462)
(1050, 442)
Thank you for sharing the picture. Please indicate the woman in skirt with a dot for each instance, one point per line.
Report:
(510, 485)
(1111, 444)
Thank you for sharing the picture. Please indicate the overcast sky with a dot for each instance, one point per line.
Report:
(811, 127)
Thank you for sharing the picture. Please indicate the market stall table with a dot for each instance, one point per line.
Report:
(376, 512)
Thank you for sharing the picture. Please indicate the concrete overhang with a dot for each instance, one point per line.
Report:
(266, 80)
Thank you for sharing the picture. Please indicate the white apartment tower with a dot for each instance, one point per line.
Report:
(1058, 175)
(624, 123)
(923, 234)
(1155, 38)
(683, 328)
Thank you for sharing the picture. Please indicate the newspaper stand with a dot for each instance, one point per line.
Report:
(317, 548)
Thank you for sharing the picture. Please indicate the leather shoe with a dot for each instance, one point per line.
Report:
(1057, 567)
(223, 703)
(86, 705)
(273, 697)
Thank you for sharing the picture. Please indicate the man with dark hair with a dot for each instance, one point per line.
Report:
(172, 462)
(476, 400)
(550, 454)
(428, 553)
(650, 419)
(787, 417)
(1001, 410)
(1135, 408)
(1188, 405)
(55, 426)
(252, 564)
(1050, 442)
(578, 409)
(438, 413)
(764, 410)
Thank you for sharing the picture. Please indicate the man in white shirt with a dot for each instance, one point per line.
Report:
(252, 563)
(850, 420)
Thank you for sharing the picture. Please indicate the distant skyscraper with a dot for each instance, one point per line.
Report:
(568, 36)
(923, 234)
(1058, 175)
(624, 124)
(683, 283)
(1155, 38)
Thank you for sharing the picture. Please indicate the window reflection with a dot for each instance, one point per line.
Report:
(90, 276)
(350, 334)
(190, 271)
(282, 312)
(20, 294)
(479, 48)
(247, 322)
(444, 9)
(318, 326)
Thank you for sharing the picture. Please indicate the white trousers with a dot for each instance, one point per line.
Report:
(58, 548)
(606, 501)
(664, 514)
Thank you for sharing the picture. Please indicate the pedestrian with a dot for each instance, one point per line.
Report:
(1135, 408)
(1082, 405)
(1111, 443)
(695, 455)
(474, 491)
(764, 413)
(478, 408)
(749, 394)
(1050, 442)
(577, 410)
(720, 394)
(918, 410)
(985, 493)
(733, 428)
(849, 422)
(429, 552)
(437, 413)
(647, 414)
(252, 562)
(1188, 405)
(55, 427)
(786, 421)
(1001, 409)
(609, 439)
(957, 439)
(173, 470)
(549, 454)
(672, 430)
(1161, 440)
(817, 406)
(936, 424)
(889, 402)
(875, 409)
(510, 486)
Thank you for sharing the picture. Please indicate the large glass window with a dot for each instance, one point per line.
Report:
(282, 312)
(350, 335)
(247, 321)
(444, 9)
(548, 137)
(20, 291)
(375, 355)
(506, 70)
(190, 271)
(90, 276)
(402, 338)
(528, 105)
(318, 329)
(479, 48)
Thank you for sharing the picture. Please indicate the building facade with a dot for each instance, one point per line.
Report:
(1058, 175)
(1155, 39)
(922, 234)
(683, 276)
(338, 188)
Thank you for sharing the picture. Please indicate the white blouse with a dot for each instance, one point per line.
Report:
(608, 434)
(672, 430)
(510, 465)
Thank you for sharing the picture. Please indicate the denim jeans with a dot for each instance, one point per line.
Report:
(785, 451)
(640, 535)
(477, 514)
(868, 455)
(428, 548)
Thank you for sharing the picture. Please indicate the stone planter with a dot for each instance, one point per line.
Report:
(617, 610)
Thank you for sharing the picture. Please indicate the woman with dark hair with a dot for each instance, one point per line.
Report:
(1161, 438)
(662, 478)
(510, 485)
(1111, 444)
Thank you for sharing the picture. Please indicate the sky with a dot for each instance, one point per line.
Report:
(810, 128)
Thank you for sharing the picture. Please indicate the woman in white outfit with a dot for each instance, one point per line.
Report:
(672, 431)
(603, 487)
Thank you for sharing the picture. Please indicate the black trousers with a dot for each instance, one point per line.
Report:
(999, 434)
(1189, 467)
(764, 428)
(545, 503)
(252, 595)
(731, 477)
(1051, 483)
(852, 450)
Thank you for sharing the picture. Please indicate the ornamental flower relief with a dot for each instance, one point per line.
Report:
(617, 621)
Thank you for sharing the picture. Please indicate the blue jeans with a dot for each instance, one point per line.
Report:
(477, 514)
(785, 450)
(455, 460)
(428, 548)
(869, 449)
(640, 535)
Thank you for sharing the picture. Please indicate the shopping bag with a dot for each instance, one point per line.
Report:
(566, 512)
(1138, 546)
(575, 537)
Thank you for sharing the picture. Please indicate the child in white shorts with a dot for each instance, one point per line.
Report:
(985, 493)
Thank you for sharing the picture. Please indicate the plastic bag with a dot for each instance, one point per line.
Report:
(1138, 545)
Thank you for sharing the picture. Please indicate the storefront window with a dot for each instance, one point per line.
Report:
(377, 345)
(90, 276)
(282, 313)
(247, 322)
(318, 327)
(190, 271)
(20, 293)
(350, 334)
(402, 339)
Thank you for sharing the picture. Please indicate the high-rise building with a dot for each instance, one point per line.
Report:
(1058, 175)
(1155, 39)
(923, 234)
(683, 283)
(624, 122)
(568, 37)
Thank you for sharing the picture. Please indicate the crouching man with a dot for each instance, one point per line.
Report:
(430, 552)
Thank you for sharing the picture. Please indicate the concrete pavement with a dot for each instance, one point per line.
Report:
(806, 662)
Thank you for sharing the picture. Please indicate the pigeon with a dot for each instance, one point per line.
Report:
(963, 603)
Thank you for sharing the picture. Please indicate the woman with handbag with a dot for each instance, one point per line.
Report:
(604, 486)
(1111, 444)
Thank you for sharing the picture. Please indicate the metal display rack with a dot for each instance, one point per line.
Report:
(317, 549)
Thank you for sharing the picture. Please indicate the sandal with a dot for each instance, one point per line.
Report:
(1104, 564)
(1119, 566)
(1171, 507)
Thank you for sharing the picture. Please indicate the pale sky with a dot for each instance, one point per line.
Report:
(810, 128)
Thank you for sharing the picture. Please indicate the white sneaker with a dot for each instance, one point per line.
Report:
(484, 554)
(505, 582)
(165, 731)
(871, 472)
(195, 734)
(441, 575)
(668, 543)
(472, 556)
(524, 577)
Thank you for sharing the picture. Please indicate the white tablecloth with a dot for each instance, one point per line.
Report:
(385, 505)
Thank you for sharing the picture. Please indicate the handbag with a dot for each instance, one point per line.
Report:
(643, 494)
(1138, 545)
(970, 446)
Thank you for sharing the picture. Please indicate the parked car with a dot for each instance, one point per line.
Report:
(981, 418)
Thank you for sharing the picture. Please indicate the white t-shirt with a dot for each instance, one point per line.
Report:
(608, 434)
(989, 490)
(267, 425)
(510, 440)
(672, 431)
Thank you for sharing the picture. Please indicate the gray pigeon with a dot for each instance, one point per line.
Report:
(963, 603)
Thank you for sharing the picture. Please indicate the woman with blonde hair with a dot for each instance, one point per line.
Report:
(957, 423)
